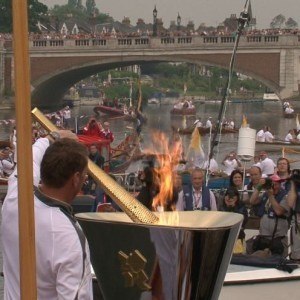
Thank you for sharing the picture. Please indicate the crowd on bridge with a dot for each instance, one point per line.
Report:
(106, 34)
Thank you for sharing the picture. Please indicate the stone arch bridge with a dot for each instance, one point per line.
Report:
(57, 64)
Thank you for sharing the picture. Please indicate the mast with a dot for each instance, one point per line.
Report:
(24, 150)
(242, 23)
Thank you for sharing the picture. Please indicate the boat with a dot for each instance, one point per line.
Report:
(117, 159)
(183, 111)
(270, 97)
(289, 115)
(153, 101)
(108, 110)
(203, 130)
(276, 145)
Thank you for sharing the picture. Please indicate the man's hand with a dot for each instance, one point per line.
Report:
(67, 134)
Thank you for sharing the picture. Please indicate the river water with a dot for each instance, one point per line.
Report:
(258, 115)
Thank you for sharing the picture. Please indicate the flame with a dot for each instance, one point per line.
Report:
(244, 122)
(167, 158)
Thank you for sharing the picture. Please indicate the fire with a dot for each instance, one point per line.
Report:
(244, 122)
(167, 154)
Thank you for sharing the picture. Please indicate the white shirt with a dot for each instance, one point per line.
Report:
(230, 165)
(208, 123)
(289, 110)
(199, 124)
(67, 114)
(180, 205)
(269, 137)
(260, 136)
(267, 166)
(213, 166)
(58, 249)
(7, 166)
(288, 137)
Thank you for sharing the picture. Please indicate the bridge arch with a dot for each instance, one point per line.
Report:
(52, 85)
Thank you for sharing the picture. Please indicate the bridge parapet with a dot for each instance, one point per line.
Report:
(255, 41)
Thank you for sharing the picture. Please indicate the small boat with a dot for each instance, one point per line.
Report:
(203, 130)
(183, 111)
(108, 110)
(289, 115)
(270, 97)
(153, 101)
(276, 145)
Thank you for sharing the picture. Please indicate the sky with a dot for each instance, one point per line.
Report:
(211, 12)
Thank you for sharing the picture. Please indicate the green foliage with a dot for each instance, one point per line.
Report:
(63, 12)
(36, 12)
(278, 21)
(90, 7)
(291, 23)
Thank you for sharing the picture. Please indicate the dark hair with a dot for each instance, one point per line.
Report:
(231, 192)
(61, 160)
(287, 161)
(232, 174)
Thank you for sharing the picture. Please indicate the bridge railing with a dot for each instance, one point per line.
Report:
(168, 42)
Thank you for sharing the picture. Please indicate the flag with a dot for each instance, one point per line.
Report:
(195, 150)
(195, 143)
(185, 88)
(244, 122)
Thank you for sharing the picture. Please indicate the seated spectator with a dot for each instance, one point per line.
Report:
(232, 203)
(260, 135)
(231, 163)
(267, 165)
(290, 137)
(196, 196)
(236, 180)
(269, 137)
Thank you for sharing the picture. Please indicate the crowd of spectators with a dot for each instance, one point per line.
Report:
(107, 34)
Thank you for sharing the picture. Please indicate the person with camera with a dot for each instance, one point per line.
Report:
(283, 170)
(293, 200)
(273, 211)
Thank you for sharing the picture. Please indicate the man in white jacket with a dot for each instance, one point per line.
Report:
(62, 254)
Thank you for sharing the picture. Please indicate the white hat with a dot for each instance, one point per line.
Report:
(196, 121)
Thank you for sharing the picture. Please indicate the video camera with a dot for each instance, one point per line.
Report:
(268, 184)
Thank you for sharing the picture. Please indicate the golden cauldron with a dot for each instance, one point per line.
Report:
(146, 261)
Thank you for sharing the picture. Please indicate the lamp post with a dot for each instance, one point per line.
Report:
(178, 22)
(155, 21)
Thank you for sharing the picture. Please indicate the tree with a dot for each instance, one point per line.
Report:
(277, 21)
(72, 3)
(291, 23)
(37, 11)
(91, 8)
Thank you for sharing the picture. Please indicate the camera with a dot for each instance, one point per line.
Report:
(268, 184)
(295, 177)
